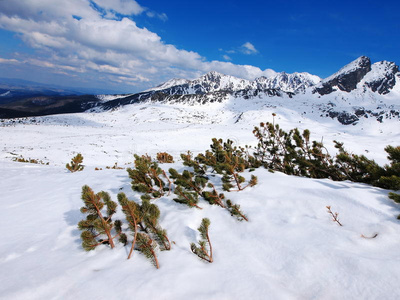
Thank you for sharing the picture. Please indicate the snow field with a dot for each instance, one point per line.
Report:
(290, 249)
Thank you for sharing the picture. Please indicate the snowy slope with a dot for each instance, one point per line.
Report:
(289, 249)
(169, 83)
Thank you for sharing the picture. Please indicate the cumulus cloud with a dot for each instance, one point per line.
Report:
(83, 36)
(248, 48)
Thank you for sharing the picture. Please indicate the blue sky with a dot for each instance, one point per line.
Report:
(128, 46)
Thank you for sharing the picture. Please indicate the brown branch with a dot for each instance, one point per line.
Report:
(209, 243)
(184, 196)
(334, 216)
(216, 196)
(369, 237)
(108, 233)
(169, 181)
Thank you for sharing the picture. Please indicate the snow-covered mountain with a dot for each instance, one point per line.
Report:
(360, 74)
(359, 90)
(214, 82)
(293, 83)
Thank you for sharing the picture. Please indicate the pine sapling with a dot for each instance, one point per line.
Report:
(190, 162)
(132, 214)
(186, 197)
(234, 209)
(148, 247)
(213, 197)
(75, 164)
(334, 216)
(204, 249)
(164, 158)
(146, 177)
(150, 214)
(189, 180)
(96, 225)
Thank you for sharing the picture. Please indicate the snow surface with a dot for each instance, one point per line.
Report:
(105, 98)
(290, 248)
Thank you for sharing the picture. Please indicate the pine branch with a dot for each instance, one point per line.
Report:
(201, 250)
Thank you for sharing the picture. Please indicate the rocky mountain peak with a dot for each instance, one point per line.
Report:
(382, 77)
(347, 78)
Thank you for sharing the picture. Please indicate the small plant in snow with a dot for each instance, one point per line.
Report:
(164, 158)
(334, 216)
(146, 177)
(143, 222)
(132, 214)
(98, 229)
(204, 249)
(147, 246)
(75, 164)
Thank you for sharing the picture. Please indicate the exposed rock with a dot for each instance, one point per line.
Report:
(347, 78)
(382, 77)
(344, 117)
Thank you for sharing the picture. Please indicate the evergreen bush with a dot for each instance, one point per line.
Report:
(97, 229)
(76, 163)
(146, 177)
(164, 158)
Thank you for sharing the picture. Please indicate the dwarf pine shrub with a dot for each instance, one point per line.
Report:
(148, 247)
(228, 160)
(189, 180)
(164, 158)
(98, 229)
(76, 163)
(147, 177)
(294, 154)
(144, 219)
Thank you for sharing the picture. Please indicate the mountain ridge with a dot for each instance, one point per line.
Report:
(358, 90)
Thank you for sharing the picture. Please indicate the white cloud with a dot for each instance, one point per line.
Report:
(248, 48)
(124, 7)
(162, 16)
(226, 57)
(97, 44)
(8, 61)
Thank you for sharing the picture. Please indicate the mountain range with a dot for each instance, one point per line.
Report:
(358, 90)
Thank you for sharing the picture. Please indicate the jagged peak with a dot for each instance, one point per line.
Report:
(361, 62)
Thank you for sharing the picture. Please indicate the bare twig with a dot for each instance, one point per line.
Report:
(369, 237)
(334, 215)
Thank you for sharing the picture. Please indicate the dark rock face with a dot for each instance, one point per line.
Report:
(386, 81)
(347, 78)
(343, 117)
